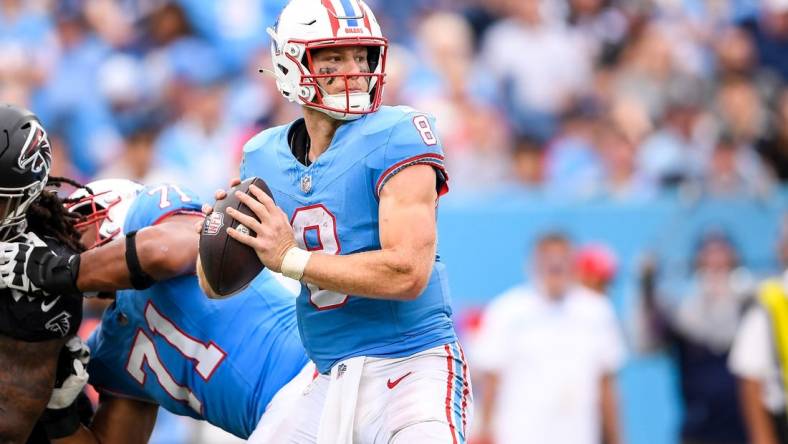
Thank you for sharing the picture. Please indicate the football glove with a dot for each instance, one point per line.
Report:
(76, 375)
(62, 417)
(31, 266)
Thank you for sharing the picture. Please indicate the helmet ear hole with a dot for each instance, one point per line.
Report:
(283, 69)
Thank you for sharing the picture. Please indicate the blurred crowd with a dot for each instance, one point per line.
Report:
(574, 100)
(626, 98)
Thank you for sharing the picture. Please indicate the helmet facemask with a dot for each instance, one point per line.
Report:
(93, 213)
(103, 205)
(14, 203)
(346, 105)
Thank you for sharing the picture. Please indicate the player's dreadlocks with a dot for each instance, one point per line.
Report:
(47, 215)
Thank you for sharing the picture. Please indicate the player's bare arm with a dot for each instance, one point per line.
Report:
(400, 270)
(166, 250)
(117, 420)
(27, 374)
(760, 426)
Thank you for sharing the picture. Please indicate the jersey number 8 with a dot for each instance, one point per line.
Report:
(316, 230)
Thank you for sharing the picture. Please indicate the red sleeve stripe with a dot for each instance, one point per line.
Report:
(432, 159)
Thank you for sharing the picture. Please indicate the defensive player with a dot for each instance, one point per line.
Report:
(357, 187)
(164, 343)
(33, 326)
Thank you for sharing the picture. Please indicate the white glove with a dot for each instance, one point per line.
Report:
(14, 257)
(64, 395)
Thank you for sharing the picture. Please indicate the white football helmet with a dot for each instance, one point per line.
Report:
(104, 203)
(307, 25)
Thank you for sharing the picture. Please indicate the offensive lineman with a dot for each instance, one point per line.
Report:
(164, 343)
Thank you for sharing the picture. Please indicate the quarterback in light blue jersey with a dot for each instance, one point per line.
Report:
(165, 343)
(356, 187)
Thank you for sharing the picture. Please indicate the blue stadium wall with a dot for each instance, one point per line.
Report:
(485, 244)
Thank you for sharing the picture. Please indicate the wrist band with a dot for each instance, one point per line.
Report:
(294, 263)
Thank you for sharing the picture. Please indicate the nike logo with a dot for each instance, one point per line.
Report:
(46, 307)
(393, 384)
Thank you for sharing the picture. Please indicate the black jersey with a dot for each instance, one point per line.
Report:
(36, 317)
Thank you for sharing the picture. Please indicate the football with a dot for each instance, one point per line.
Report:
(228, 265)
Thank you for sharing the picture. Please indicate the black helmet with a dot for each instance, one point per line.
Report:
(25, 159)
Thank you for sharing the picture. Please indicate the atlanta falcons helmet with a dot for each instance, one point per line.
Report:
(103, 204)
(25, 160)
(308, 25)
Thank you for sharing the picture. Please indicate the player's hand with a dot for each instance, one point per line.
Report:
(218, 195)
(274, 234)
(72, 374)
(30, 267)
(61, 418)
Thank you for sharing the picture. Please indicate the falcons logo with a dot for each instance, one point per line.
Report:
(60, 324)
(36, 154)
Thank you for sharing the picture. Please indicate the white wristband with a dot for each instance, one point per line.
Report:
(294, 263)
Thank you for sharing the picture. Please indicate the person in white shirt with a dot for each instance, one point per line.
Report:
(755, 362)
(547, 356)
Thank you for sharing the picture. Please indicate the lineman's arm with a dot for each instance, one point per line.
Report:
(117, 420)
(165, 250)
(400, 270)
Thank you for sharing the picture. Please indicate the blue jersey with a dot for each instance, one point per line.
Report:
(333, 207)
(217, 360)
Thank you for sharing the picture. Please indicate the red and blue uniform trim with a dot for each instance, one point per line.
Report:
(433, 159)
(457, 392)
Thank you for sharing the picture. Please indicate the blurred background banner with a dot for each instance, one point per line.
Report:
(652, 133)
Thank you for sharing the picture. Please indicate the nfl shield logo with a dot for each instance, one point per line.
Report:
(306, 183)
(213, 223)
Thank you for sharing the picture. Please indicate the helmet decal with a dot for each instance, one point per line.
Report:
(36, 154)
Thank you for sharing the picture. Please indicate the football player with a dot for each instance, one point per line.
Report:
(357, 186)
(163, 343)
(34, 326)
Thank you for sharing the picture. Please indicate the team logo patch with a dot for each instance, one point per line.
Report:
(213, 223)
(37, 153)
(60, 324)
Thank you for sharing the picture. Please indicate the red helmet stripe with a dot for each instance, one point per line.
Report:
(365, 13)
(332, 16)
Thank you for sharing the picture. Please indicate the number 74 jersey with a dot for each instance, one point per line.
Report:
(333, 208)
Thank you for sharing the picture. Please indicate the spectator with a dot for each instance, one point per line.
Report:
(699, 329)
(770, 33)
(773, 148)
(759, 359)
(548, 354)
(621, 178)
(68, 100)
(573, 153)
(531, 65)
(734, 170)
(472, 131)
(528, 162)
(596, 266)
(676, 152)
